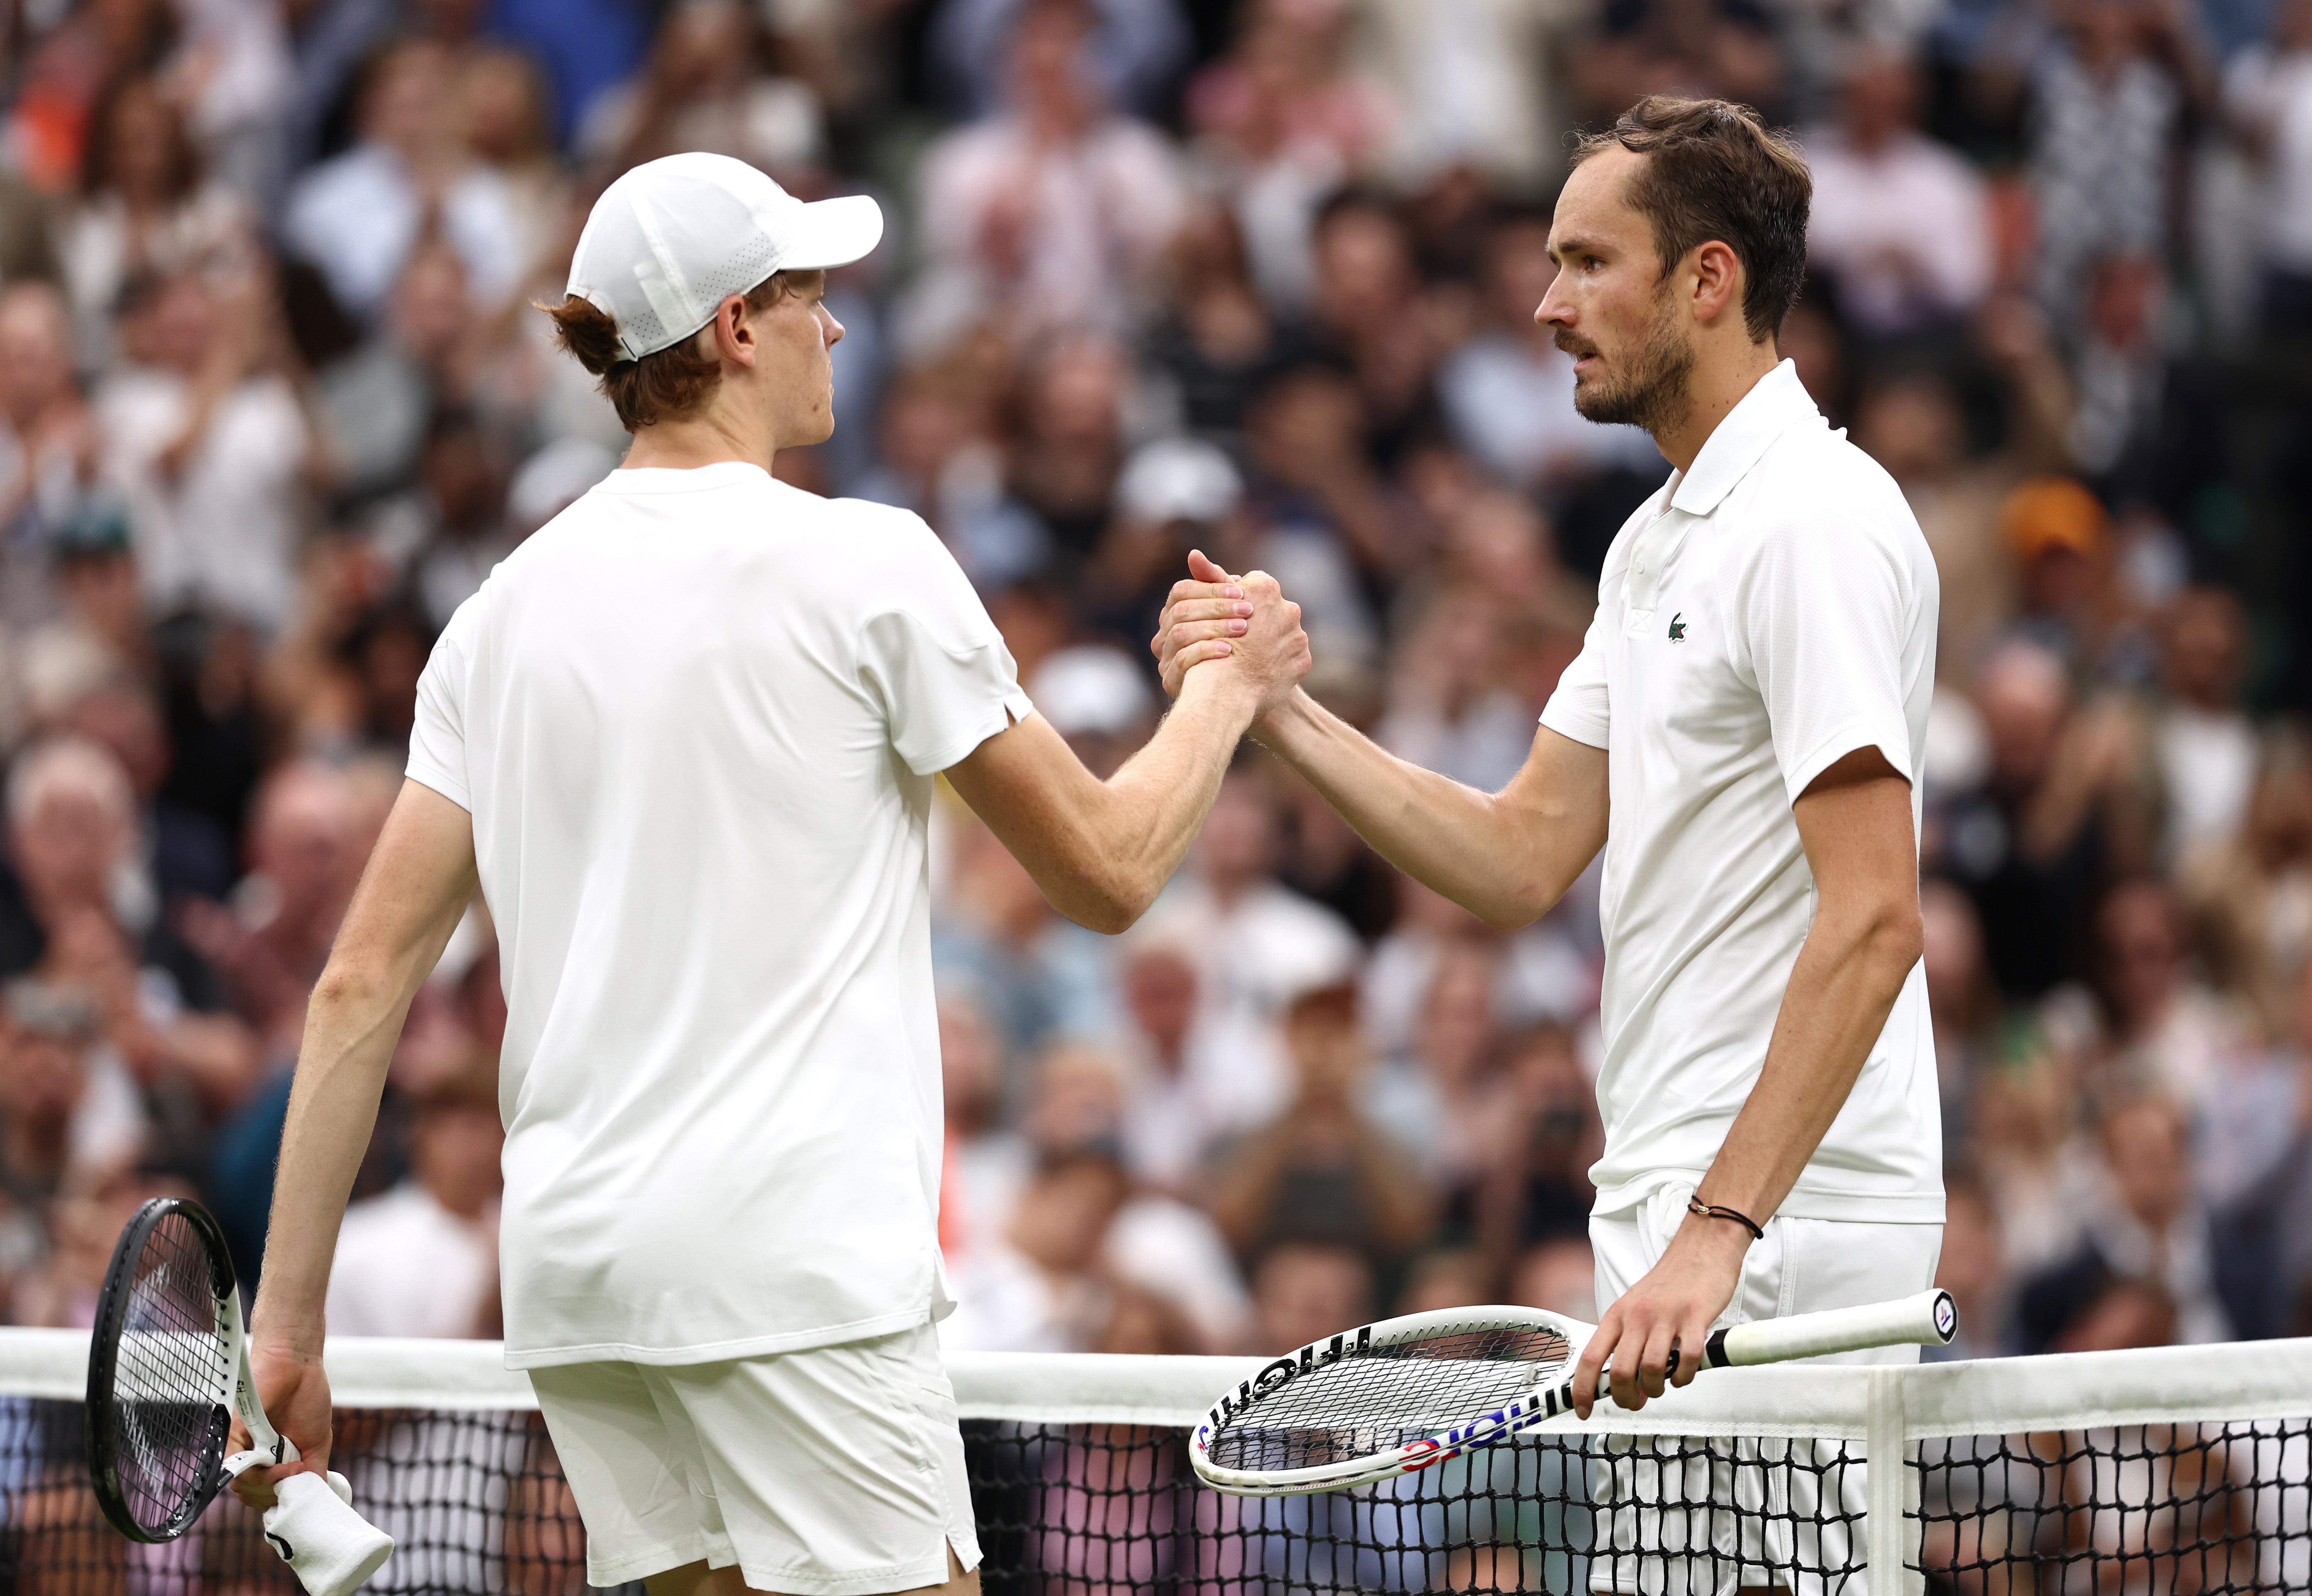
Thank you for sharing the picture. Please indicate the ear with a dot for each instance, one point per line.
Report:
(734, 331)
(1718, 281)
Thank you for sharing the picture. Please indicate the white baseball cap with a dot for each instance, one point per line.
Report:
(673, 238)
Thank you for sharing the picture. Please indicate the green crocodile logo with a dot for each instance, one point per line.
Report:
(1677, 628)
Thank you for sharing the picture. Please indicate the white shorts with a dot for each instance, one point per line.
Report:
(834, 1472)
(1706, 1518)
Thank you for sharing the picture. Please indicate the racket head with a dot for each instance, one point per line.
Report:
(162, 1367)
(1387, 1399)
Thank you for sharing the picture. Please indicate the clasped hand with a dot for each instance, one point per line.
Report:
(1216, 615)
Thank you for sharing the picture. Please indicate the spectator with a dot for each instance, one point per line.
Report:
(2144, 1228)
(1901, 223)
(2105, 105)
(1558, 1275)
(421, 1259)
(1038, 976)
(2167, 1030)
(81, 912)
(1053, 211)
(2205, 748)
(1044, 1289)
(1288, 122)
(2268, 95)
(269, 945)
(71, 1117)
(48, 447)
(207, 439)
(1258, 945)
(2244, 889)
(358, 215)
(145, 209)
(1443, 1100)
(706, 88)
(1322, 1170)
(1303, 1292)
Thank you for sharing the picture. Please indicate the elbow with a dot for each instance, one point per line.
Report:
(1894, 940)
(1109, 901)
(347, 983)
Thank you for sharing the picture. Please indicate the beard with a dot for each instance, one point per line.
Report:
(1652, 391)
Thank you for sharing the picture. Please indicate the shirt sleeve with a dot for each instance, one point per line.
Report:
(437, 738)
(1579, 708)
(1822, 614)
(935, 660)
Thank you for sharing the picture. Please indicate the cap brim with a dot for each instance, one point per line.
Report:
(832, 233)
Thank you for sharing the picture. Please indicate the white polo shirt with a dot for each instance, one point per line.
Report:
(1768, 611)
(696, 719)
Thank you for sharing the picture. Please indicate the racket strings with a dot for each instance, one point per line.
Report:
(171, 1377)
(1386, 1398)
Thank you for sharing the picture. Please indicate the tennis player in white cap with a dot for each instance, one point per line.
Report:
(685, 739)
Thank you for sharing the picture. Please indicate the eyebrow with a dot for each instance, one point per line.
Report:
(1572, 246)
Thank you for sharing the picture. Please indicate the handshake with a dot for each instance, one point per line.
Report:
(1242, 625)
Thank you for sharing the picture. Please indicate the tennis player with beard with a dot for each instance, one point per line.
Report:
(1741, 734)
(684, 740)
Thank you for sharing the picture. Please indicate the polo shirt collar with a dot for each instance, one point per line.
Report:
(1775, 405)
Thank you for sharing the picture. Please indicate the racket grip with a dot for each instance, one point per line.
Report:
(1928, 1319)
(331, 1549)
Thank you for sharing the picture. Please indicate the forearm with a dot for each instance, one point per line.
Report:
(1507, 863)
(350, 1030)
(1157, 803)
(1841, 989)
(420, 878)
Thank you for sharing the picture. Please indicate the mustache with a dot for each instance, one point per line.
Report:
(1571, 344)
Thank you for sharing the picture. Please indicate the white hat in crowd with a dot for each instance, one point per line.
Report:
(673, 238)
(1091, 688)
(1178, 479)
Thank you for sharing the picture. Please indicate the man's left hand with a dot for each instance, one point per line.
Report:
(1672, 1306)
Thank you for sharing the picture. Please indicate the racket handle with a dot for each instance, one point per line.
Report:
(1930, 1318)
(331, 1549)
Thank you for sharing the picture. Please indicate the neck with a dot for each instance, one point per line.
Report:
(704, 439)
(1715, 388)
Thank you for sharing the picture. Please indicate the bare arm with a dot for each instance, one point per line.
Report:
(1506, 856)
(1101, 851)
(1855, 824)
(417, 885)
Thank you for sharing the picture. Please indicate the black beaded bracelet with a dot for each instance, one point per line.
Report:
(1714, 1210)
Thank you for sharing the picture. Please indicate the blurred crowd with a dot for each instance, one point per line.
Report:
(1252, 277)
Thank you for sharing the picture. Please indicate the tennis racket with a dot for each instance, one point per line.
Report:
(1391, 1398)
(168, 1369)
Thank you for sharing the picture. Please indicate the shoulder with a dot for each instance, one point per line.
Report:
(1821, 496)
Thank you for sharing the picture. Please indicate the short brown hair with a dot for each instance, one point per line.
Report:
(668, 385)
(1719, 172)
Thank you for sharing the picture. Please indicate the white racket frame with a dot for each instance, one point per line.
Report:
(1928, 1319)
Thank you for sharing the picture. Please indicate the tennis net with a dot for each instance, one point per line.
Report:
(2175, 1470)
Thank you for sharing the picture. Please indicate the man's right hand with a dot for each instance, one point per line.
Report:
(1247, 619)
(1214, 616)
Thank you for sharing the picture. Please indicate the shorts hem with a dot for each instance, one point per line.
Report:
(635, 1565)
(878, 1582)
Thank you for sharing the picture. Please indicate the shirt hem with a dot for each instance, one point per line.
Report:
(436, 781)
(1831, 749)
(1577, 727)
(1012, 707)
(718, 1352)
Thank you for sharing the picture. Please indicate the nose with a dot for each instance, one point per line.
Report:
(834, 328)
(1553, 311)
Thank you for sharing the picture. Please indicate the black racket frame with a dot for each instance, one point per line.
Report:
(103, 1361)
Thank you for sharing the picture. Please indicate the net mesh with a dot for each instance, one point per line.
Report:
(477, 1502)
(1314, 1412)
(166, 1422)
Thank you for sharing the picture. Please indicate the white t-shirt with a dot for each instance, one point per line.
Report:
(1767, 612)
(695, 719)
(407, 1266)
